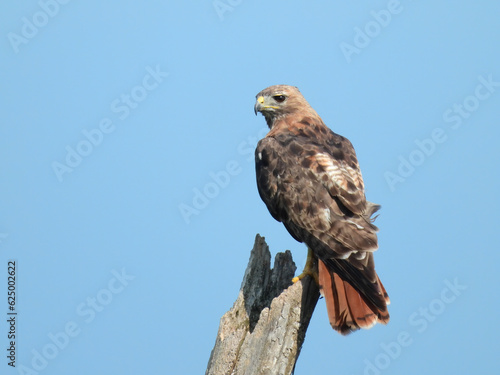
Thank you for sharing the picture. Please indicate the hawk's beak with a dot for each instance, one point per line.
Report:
(258, 105)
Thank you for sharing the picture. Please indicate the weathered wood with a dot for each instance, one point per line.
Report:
(265, 329)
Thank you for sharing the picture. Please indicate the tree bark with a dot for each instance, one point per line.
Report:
(264, 330)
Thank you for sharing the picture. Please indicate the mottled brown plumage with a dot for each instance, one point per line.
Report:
(310, 180)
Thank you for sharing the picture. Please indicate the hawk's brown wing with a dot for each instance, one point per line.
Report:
(315, 183)
(310, 180)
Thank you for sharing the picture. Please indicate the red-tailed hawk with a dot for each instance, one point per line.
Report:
(309, 179)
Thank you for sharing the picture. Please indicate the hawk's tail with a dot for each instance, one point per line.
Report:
(347, 310)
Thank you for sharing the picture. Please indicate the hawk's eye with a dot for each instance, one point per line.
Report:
(279, 98)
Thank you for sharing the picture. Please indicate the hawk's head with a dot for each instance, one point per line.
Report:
(278, 101)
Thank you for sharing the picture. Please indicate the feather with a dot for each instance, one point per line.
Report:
(347, 310)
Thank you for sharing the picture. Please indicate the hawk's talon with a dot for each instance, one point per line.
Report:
(310, 269)
(300, 277)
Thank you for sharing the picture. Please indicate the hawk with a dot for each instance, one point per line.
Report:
(310, 180)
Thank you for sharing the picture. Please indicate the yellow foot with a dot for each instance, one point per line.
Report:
(297, 278)
(310, 269)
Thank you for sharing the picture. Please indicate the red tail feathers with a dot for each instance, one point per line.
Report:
(347, 310)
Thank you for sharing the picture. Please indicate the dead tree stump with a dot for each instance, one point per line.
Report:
(263, 332)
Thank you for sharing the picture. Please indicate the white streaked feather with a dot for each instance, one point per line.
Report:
(360, 255)
(357, 225)
(338, 172)
(327, 215)
(345, 255)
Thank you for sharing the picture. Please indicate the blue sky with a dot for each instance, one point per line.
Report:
(128, 193)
